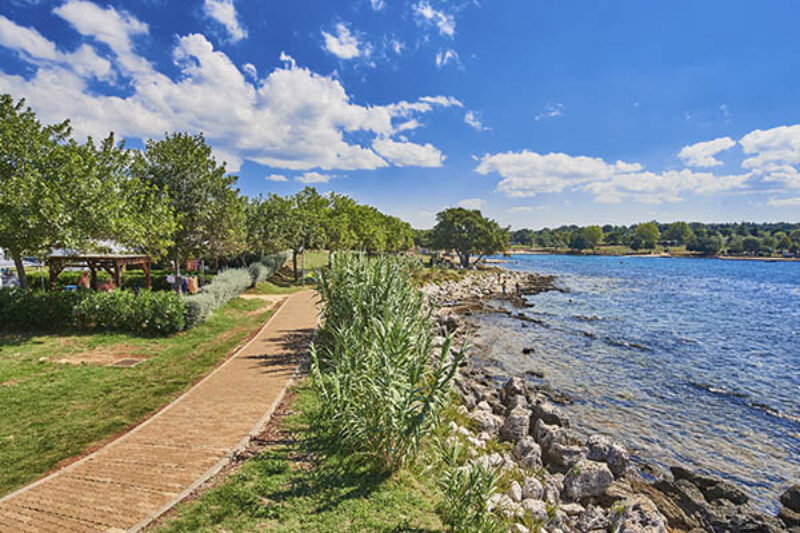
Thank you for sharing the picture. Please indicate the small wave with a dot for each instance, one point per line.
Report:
(718, 390)
(775, 412)
(585, 318)
(626, 344)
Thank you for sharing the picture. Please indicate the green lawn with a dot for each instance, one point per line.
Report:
(52, 411)
(293, 487)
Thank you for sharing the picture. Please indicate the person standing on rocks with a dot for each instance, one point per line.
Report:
(504, 287)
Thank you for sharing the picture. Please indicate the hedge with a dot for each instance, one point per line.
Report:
(130, 279)
(148, 313)
(228, 285)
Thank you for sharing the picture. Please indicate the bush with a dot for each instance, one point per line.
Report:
(25, 310)
(381, 389)
(130, 279)
(149, 313)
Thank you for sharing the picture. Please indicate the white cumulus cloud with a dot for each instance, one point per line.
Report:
(344, 44)
(277, 177)
(292, 118)
(313, 177)
(473, 118)
(425, 14)
(404, 153)
(224, 12)
(702, 154)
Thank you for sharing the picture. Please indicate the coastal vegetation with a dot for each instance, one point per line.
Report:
(677, 238)
(467, 233)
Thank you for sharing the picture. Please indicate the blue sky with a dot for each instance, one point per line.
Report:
(539, 113)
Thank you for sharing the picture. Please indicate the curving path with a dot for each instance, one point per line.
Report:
(137, 477)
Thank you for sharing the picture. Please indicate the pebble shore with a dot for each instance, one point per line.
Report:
(568, 483)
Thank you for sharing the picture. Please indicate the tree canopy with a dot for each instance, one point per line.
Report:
(468, 232)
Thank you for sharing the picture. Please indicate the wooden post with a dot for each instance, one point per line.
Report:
(93, 270)
(117, 274)
(146, 268)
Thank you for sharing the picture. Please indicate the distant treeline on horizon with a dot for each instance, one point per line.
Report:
(732, 238)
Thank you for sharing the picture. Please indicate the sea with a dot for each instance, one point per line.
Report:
(694, 362)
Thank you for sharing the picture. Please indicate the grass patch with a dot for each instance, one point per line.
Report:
(53, 411)
(294, 486)
(270, 288)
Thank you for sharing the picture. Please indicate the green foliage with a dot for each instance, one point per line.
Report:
(145, 313)
(467, 489)
(381, 393)
(586, 238)
(678, 233)
(468, 232)
(207, 209)
(645, 236)
(55, 192)
(225, 287)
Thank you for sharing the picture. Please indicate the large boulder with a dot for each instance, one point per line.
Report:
(528, 452)
(637, 514)
(791, 498)
(713, 489)
(603, 449)
(486, 421)
(587, 479)
(512, 388)
(548, 413)
(516, 426)
(547, 435)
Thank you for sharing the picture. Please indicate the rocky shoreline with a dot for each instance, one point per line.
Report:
(568, 483)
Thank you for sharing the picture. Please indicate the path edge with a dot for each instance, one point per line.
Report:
(241, 445)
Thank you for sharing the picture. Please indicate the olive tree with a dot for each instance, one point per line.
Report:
(468, 232)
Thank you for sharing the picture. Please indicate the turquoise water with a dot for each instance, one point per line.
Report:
(687, 361)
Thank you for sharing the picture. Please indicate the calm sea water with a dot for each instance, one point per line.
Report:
(687, 361)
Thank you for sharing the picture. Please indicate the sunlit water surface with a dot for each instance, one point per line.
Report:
(687, 361)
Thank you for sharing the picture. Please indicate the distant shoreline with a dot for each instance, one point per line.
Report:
(667, 255)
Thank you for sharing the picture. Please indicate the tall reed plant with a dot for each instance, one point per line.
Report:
(381, 382)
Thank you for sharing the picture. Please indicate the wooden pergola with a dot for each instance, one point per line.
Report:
(113, 264)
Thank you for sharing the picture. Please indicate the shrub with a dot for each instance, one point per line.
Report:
(381, 389)
(149, 313)
(130, 279)
(25, 310)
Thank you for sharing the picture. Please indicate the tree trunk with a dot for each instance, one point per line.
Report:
(294, 263)
(303, 260)
(177, 284)
(464, 259)
(23, 277)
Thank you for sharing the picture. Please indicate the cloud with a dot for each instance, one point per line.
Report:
(443, 57)
(404, 153)
(784, 202)
(314, 177)
(471, 203)
(444, 101)
(377, 5)
(426, 15)
(473, 118)
(550, 111)
(397, 46)
(770, 148)
(344, 44)
(292, 118)
(527, 173)
(277, 177)
(702, 154)
(250, 70)
(33, 47)
(224, 12)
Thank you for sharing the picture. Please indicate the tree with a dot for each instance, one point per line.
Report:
(645, 236)
(268, 221)
(783, 242)
(751, 244)
(593, 235)
(578, 241)
(199, 191)
(306, 226)
(468, 232)
(679, 233)
(55, 192)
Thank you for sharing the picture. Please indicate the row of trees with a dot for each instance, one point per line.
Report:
(741, 238)
(170, 200)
